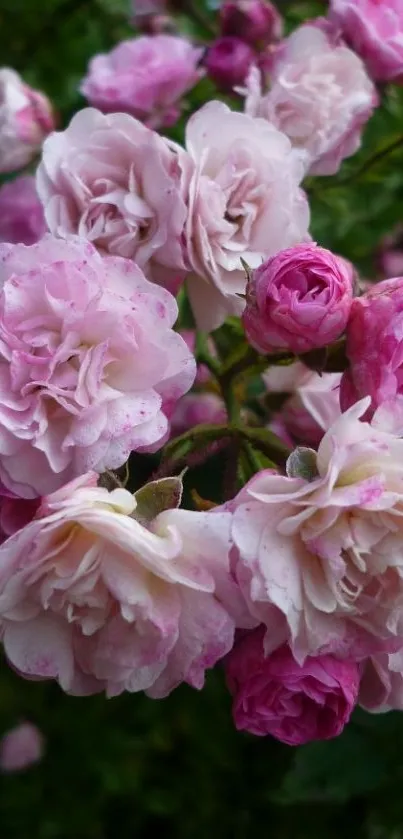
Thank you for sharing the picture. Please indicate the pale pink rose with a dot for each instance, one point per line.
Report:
(25, 120)
(320, 550)
(145, 77)
(92, 597)
(114, 182)
(320, 97)
(374, 28)
(257, 22)
(298, 300)
(196, 408)
(292, 702)
(314, 404)
(244, 201)
(375, 347)
(21, 212)
(87, 355)
(21, 747)
(228, 62)
(381, 687)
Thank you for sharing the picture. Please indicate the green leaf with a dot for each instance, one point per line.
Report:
(157, 496)
(336, 770)
(302, 464)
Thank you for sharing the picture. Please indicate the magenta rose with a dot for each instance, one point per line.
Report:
(21, 213)
(298, 300)
(228, 62)
(145, 77)
(254, 21)
(293, 703)
(375, 347)
(375, 31)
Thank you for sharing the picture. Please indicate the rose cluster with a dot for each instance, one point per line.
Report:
(292, 576)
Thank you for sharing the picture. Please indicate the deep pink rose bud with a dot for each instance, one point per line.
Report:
(228, 62)
(254, 21)
(375, 347)
(26, 118)
(374, 28)
(295, 704)
(21, 747)
(298, 300)
(22, 217)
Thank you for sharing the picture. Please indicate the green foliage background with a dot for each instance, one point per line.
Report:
(127, 767)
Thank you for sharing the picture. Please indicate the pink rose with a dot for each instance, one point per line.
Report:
(95, 598)
(114, 182)
(241, 185)
(196, 408)
(25, 119)
(314, 402)
(320, 97)
(319, 550)
(21, 212)
(255, 21)
(292, 702)
(375, 347)
(21, 747)
(87, 356)
(228, 62)
(298, 300)
(145, 77)
(375, 31)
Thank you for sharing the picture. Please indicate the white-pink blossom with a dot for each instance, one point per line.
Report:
(114, 182)
(95, 598)
(320, 550)
(241, 185)
(87, 357)
(320, 96)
